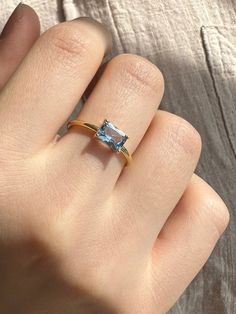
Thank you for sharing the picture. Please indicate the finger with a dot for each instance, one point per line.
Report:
(50, 81)
(186, 241)
(18, 36)
(94, 81)
(164, 162)
(128, 94)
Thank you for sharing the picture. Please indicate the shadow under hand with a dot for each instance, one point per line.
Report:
(32, 282)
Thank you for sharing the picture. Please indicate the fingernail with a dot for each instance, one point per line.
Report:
(15, 17)
(105, 31)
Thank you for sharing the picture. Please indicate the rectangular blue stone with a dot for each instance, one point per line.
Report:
(112, 136)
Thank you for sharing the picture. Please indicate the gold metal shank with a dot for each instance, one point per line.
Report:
(95, 128)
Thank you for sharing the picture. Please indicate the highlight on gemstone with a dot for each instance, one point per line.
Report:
(112, 136)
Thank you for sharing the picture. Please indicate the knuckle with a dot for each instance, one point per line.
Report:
(138, 74)
(184, 135)
(211, 210)
(216, 212)
(68, 42)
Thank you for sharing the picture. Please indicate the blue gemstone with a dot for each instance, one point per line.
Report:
(112, 136)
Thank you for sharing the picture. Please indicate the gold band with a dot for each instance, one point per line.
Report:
(95, 128)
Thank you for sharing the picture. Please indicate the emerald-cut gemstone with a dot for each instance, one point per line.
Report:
(112, 136)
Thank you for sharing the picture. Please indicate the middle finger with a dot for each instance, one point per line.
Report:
(50, 82)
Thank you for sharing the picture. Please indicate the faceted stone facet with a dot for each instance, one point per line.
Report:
(111, 135)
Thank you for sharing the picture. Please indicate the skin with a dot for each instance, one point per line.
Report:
(17, 37)
(79, 233)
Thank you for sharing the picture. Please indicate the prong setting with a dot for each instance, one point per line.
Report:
(111, 135)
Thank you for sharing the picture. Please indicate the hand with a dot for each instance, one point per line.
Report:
(80, 233)
(17, 37)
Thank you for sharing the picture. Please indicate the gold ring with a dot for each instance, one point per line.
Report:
(107, 133)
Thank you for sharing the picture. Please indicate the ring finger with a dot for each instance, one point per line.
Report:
(127, 94)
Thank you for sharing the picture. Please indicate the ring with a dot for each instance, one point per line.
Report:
(107, 133)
